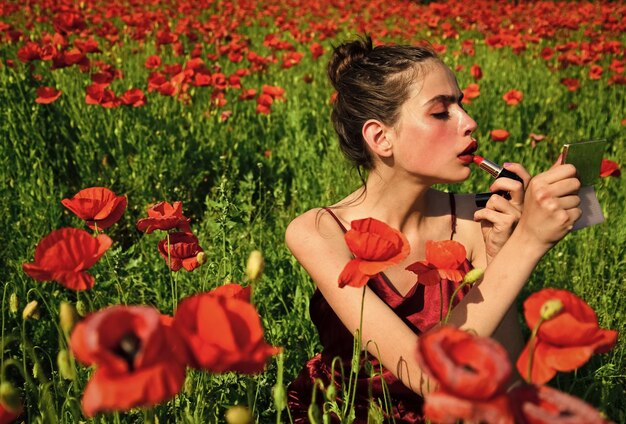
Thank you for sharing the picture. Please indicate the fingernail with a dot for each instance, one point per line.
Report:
(506, 164)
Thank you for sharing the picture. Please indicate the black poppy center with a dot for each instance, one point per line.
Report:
(128, 348)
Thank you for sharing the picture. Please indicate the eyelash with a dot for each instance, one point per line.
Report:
(444, 116)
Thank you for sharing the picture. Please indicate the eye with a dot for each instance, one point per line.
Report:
(444, 116)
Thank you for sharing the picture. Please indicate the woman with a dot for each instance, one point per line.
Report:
(398, 114)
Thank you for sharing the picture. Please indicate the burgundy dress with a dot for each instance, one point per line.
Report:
(419, 309)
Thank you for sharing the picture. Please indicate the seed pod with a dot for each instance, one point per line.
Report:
(201, 258)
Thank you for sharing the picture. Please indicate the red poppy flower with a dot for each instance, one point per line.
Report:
(152, 62)
(444, 260)
(164, 216)
(476, 72)
(64, 255)
(564, 342)
(595, 72)
(472, 373)
(99, 207)
(499, 135)
(546, 405)
(572, 84)
(375, 246)
(133, 97)
(29, 52)
(471, 92)
(98, 94)
(316, 50)
(223, 333)
(547, 53)
(138, 358)
(183, 250)
(513, 97)
(47, 95)
(608, 168)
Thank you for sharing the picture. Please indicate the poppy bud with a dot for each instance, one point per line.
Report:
(550, 308)
(14, 303)
(331, 393)
(67, 317)
(255, 265)
(36, 370)
(473, 276)
(315, 416)
(280, 397)
(66, 370)
(10, 398)
(31, 310)
(238, 415)
(201, 258)
(81, 308)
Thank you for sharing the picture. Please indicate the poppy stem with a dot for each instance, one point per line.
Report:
(531, 349)
(172, 280)
(454, 293)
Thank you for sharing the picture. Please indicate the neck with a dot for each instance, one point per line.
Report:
(399, 201)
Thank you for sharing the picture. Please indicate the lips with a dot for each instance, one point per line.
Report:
(470, 149)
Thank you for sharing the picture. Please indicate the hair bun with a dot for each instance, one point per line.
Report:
(345, 55)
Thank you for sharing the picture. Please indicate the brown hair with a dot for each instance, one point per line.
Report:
(371, 83)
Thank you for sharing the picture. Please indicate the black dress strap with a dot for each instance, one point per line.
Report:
(452, 215)
(336, 219)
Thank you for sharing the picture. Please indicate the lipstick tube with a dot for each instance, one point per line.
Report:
(496, 171)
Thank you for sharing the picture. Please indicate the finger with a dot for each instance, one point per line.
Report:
(501, 204)
(518, 169)
(496, 219)
(569, 202)
(557, 172)
(565, 187)
(559, 161)
(513, 187)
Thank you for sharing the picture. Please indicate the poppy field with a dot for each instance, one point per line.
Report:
(152, 154)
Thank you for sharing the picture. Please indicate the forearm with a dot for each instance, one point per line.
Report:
(485, 305)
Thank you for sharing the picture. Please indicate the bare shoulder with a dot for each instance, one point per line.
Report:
(314, 230)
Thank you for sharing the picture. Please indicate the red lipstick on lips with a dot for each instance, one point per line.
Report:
(467, 156)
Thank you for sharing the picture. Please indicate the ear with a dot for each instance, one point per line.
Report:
(375, 135)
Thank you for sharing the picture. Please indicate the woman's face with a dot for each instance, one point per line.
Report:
(433, 136)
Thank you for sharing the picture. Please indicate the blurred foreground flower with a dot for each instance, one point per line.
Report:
(564, 342)
(445, 260)
(64, 255)
(471, 373)
(139, 359)
(545, 405)
(164, 216)
(10, 403)
(99, 207)
(223, 332)
(375, 246)
(181, 251)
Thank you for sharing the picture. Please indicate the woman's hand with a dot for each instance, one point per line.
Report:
(500, 216)
(551, 206)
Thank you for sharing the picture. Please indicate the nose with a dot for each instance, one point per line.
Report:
(467, 125)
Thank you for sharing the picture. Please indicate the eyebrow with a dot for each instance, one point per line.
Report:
(444, 98)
